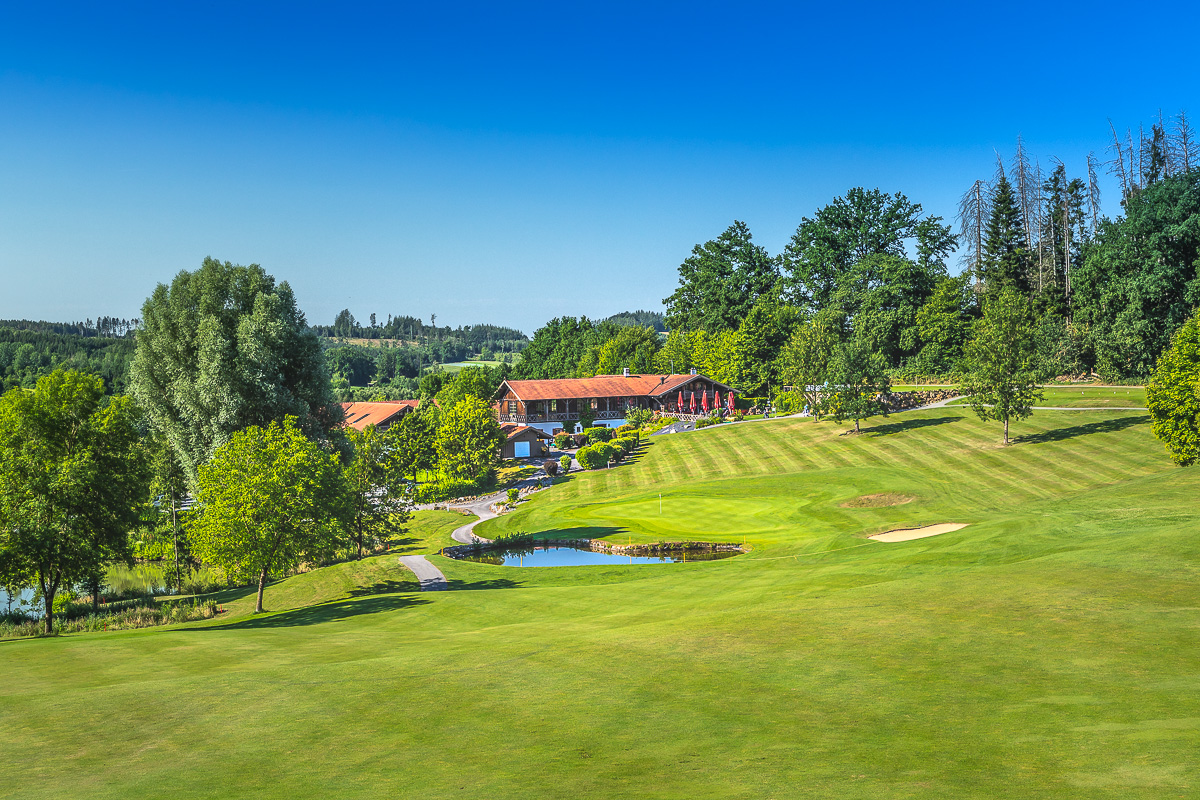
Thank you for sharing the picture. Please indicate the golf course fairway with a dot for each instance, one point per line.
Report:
(1049, 649)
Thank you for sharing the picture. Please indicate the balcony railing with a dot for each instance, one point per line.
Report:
(558, 416)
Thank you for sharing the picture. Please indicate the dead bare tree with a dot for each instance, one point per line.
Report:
(1183, 144)
(1066, 231)
(973, 210)
(1040, 222)
(1117, 165)
(1093, 195)
(1026, 193)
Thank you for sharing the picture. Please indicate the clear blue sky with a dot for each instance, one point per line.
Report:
(512, 162)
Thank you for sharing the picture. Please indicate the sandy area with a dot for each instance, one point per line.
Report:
(908, 534)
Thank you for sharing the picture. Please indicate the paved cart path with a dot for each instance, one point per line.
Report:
(431, 578)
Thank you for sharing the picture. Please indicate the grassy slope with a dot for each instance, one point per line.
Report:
(1048, 650)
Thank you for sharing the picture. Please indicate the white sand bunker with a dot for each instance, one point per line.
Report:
(908, 534)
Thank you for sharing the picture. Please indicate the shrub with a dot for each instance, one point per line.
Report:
(514, 494)
(562, 441)
(624, 429)
(598, 434)
(1173, 395)
(639, 416)
(591, 458)
(444, 489)
(551, 467)
(579, 439)
(607, 451)
(564, 463)
(704, 422)
(626, 444)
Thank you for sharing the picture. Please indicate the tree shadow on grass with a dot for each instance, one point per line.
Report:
(908, 425)
(454, 584)
(325, 612)
(402, 546)
(1103, 426)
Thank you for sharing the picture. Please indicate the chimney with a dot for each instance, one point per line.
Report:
(693, 372)
(627, 372)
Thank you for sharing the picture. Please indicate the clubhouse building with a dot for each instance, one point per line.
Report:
(549, 404)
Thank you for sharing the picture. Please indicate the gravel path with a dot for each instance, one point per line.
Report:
(431, 578)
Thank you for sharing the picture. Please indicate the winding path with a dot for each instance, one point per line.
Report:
(430, 577)
(482, 509)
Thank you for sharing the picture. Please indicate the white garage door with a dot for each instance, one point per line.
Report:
(521, 449)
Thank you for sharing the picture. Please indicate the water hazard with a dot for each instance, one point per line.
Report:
(568, 556)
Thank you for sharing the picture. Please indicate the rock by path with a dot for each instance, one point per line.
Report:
(430, 577)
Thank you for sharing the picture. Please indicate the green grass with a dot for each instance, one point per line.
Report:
(1050, 649)
(1090, 397)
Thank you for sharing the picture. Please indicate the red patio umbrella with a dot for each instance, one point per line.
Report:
(692, 400)
(729, 400)
(679, 407)
(704, 401)
(716, 399)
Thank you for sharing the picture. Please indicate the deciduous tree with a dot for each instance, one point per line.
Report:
(73, 478)
(858, 383)
(270, 498)
(224, 348)
(376, 490)
(1002, 379)
(469, 440)
(719, 282)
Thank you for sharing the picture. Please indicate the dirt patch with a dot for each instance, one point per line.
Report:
(878, 500)
(908, 534)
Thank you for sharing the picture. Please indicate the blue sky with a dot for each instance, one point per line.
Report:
(508, 163)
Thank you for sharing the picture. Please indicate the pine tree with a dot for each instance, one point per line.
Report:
(1005, 259)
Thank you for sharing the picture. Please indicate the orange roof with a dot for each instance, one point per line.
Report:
(360, 415)
(512, 430)
(601, 386)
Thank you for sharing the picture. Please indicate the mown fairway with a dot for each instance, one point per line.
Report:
(1049, 649)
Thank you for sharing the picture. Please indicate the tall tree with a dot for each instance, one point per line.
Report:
(73, 478)
(882, 295)
(224, 348)
(758, 341)
(558, 347)
(469, 440)
(271, 499)
(378, 495)
(719, 282)
(1139, 281)
(862, 223)
(973, 215)
(858, 383)
(1001, 381)
(1005, 260)
(943, 326)
(632, 347)
(804, 361)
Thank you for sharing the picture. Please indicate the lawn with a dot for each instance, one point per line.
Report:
(1088, 397)
(1049, 649)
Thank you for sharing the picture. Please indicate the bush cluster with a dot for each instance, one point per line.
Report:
(551, 467)
(593, 456)
(598, 434)
(562, 440)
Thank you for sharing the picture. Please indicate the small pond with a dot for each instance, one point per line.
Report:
(567, 556)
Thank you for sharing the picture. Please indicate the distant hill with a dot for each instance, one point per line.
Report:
(642, 319)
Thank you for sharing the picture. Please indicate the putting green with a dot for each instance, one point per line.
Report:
(1051, 650)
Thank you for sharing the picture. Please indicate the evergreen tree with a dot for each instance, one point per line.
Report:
(1005, 260)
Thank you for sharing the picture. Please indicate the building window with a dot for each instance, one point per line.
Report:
(512, 406)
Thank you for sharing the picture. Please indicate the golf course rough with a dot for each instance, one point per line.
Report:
(1050, 650)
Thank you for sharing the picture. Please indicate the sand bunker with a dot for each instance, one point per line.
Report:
(878, 500)
(908, 534)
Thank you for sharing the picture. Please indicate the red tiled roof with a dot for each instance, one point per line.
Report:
(600, 386)
(512, 430)
(360, 415)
